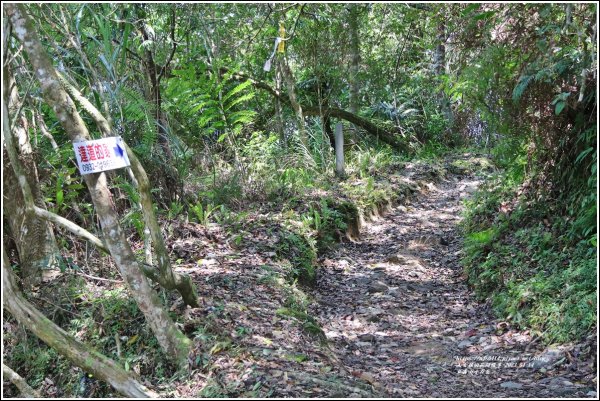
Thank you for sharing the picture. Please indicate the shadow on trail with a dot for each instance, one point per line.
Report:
(395, 306)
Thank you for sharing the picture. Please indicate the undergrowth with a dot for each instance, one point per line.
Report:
(536, 266)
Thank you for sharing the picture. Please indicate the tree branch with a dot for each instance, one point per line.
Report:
(17, 380)
(164, 67)
(391, 138)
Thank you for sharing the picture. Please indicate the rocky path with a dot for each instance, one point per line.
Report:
(398, 314)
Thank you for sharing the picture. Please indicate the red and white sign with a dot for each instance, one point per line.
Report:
(101, 155)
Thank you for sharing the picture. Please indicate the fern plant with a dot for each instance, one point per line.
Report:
(209, 102)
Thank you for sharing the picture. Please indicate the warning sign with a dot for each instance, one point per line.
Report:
(101, 155)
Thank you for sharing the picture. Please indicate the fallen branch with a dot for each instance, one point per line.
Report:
(391, 138)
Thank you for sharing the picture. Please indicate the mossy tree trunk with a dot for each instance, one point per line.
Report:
(17, 380)
(394, 139)
(33, 236)
(165, 275)
(80, 354)
(353, 14)
(173, 342)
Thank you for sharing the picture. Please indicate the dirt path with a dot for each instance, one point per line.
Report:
(399, 315)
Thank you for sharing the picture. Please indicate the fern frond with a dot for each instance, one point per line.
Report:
(521, 87)
(236, 90)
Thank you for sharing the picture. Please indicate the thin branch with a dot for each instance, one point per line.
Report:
(296, 23)
(131, 52)
(164, 67)
(79, 272)
(259, 29)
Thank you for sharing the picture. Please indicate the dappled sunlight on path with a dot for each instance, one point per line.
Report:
(399, 315)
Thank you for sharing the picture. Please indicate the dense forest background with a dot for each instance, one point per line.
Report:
(231, 138)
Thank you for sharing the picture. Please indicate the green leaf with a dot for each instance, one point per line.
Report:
(236, 90)
(125, 43)
(59, 197)
(583, 154)
(240, 99)
(559, 107)
(521, 87)
(484, 15)
(470, 9)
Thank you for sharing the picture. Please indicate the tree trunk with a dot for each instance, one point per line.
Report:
(173, 342)
(439, 67)
(329, 130)
(288, 78)
(354, 58)
(278, 114)
(17, 380)
(33, 236)
(80, 354)
(165, 276)
(155, 74)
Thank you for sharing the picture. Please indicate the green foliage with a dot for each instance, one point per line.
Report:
(370, 195)
(326, 223)
(97, 318)
(202, 213)
(174, 210)
(538, 272)
(435, 126)
(309, 324)
(210, 100)
(68, 189)
(432, 150)
(64, 186)
(369, 161)
(302, 255)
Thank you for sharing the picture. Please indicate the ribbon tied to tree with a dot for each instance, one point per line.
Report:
(279, 47)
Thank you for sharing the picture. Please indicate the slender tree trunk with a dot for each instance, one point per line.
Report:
(354, 57)
(155, 73)
(33, 236)
(17, 380)
(329, 130)
(439, 66)
(278, 114)
(165, 276)
(173, 342)
(288, 78)
(80, 354)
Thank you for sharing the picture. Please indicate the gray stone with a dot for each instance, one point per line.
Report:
(366, 337)
(375, 314)
(377, 286)
(511, 385)
(396, 259)
(414, 274)
(464, 344)
(546, 359)
(560, 382)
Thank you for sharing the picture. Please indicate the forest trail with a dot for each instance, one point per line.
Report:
(398, 314)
